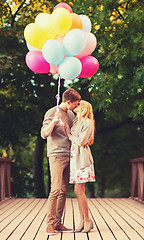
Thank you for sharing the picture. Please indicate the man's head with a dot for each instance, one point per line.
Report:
(71, 97)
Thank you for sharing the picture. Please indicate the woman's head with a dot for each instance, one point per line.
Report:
(84, 110)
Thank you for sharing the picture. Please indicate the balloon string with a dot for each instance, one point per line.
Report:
(58, 98)
(58, 93)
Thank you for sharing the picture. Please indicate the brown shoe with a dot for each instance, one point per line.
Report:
(50, 230)
(62, 228)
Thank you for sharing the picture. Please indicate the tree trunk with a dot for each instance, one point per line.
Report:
(91, 190)
(39, 188)
(101, 187)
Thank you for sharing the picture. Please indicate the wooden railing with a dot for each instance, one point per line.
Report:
(137, 178)
(5, 178)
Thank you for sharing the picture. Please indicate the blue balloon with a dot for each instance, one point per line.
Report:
(74, 42)
(53, 52)
(70, 68)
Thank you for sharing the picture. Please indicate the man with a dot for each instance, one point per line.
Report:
(58, 151)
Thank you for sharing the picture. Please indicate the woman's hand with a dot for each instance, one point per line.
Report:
(67, 129)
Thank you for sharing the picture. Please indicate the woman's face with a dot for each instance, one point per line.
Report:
(78, 108)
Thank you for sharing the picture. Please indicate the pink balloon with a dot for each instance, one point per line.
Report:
(54, 69)
(36, 62)
(64, 5)
(90, 45)
(90, 66)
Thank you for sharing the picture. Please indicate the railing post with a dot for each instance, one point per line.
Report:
(5, 178)
(137, 178)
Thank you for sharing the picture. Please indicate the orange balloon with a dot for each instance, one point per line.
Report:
(76, 21)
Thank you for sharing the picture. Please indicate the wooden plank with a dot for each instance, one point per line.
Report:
(11, 214)
(41, 231)
(136, 204)
(105, 223)
(78, 236)
(68, 220)
(132, 213)
(7, 204)
(127, 223)
(26, 221)
(93, 234)
(36, 221)
(130, 218)
(41, 234)
(6, 201)
(113, 225)
(133, 208)
(9, 225)
(11, 209)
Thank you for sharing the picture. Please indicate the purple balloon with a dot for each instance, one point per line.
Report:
(90, 66)
(36, 62)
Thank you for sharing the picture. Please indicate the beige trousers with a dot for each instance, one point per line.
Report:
(60, 173)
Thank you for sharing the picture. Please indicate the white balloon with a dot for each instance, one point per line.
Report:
(70, 68)
(86, 23)
(74, 42)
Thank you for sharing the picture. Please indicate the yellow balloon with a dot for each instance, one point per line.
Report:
(35, 35)
(61, 20)
(45, 21)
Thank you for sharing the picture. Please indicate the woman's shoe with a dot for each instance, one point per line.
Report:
(80, 228)
(88, 226)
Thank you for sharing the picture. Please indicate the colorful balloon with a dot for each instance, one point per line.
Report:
(54, 69)
(70, 68)
(35, 35)
(53, 52)
(36, 62)
(62, 21)
(64, 5)
(31, 48)
(76, 21)
(86, 23)
(74, 42)
(90, 66)
(91, 43)
(45, 21)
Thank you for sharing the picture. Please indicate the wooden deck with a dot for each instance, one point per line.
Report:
(120, 219)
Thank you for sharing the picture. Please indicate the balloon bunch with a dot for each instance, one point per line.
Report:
(61, 43)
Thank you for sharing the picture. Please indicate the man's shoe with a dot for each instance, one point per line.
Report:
(62, 228)
(50, 230)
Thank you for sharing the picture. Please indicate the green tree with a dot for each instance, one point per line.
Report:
(116, 91)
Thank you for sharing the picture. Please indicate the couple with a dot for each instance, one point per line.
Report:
(68, 139)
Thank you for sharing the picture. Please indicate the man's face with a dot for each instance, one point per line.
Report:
(72, 105)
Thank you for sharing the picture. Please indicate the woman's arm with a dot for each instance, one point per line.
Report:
(84, 135)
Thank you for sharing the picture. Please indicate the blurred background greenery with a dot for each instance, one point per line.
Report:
(116, 92)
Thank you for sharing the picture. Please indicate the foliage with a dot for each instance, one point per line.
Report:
(116, 91)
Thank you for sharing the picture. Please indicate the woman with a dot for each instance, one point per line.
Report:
(81, 164)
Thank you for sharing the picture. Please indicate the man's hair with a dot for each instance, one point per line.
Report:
(71, 94)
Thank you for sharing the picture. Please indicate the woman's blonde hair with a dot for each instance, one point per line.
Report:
(86, 111)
